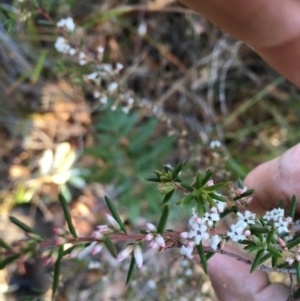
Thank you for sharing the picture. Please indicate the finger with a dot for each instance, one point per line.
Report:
(232, 281)
(271, 27)
(275, 180)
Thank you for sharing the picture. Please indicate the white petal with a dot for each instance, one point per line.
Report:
(112, 222)
(125, 253)
(160, 240)
(138, 256)
(151, 227)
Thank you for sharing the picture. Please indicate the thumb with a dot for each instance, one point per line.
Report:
(232, 280)
(275, 180)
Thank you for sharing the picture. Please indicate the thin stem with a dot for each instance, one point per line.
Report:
(173, 236)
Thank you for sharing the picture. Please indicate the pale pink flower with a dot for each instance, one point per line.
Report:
(112, 222)
(125, 253)
(138, 256)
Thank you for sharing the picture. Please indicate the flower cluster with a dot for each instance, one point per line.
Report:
(156, 240)
(200, 231)
(239, 230)
(104, 79)
(280, 222)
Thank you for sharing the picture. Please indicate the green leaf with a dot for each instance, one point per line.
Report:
(201, 253)
(245, 194)
(163, 220)
(153, 179)
(240, 183)
(209, 255)
(201, 206)
(110, 246)
(56, 273)
(130, 271)
(23, 226)
(252, 248)
(67, 214)
(280, 204)
(270, 236)
(211, 201)
(4, 245)
(293, 207)
(274, 261)
(217, 197)
(186, 200)
(207, 177)
(215, 187)
(114, 213)
(297, 293)
(293, 243)
(265, 258)
(256, 260)
(187, 187)
(262, 221)
(258, 230)
(167, 198)
(198, 183)
(297, 266)
(8, 260)
(177, 170)
(228, 211)
(274, 252)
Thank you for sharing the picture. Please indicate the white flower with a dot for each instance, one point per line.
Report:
(142, 28)
(97, 248)
(96, 94)
(103, 100)
(125, 110)
(156, 240)
(72, 51)
(215, 144)
(100, 49)
(247, 218)
(214, 241)
(67, 22)
(99, 234)
(62, 45)
(220, 205)
(211, 217)
(187, 250)
(125, 253)
(94, 76)
(274, 214)
(112, 222)
(150, 227)
(94, 265)
(138, 256)
(290, 260)
(82, 58)
(107, 68)
(195, 220)
(137, 253)
(112, 87)
(236, 232)
(199, 234)
(210, 183)
(104, 229)
(281, 226)
(119, 66)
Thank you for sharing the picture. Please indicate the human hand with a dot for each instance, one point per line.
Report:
(272, 181)
(271, 27)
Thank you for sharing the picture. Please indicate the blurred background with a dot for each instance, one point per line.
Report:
(135, 85)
